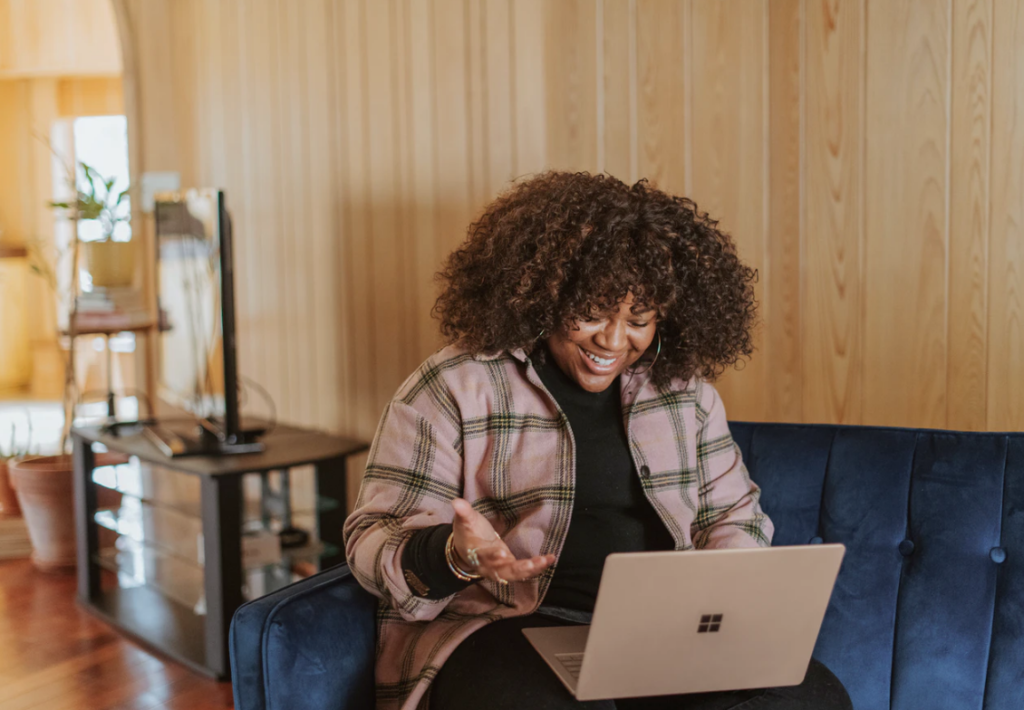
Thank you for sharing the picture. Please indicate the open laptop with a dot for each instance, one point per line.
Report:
(667, 623)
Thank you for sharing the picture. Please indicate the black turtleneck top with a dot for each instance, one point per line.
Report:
(610, 512)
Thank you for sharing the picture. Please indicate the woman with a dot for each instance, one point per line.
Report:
(570, 417)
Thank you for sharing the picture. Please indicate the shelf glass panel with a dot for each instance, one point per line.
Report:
(137, 565)
(156, 485)
(165, 529)
(180, 536)
(164, 487)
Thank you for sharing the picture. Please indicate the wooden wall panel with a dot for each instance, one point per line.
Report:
(730, 136)
(831, 340)
(616, 96)
(1006, 264)
(782, 304)
(843, 143)
(663, 41)
(906, 225)
(571, 82)
(969, 199)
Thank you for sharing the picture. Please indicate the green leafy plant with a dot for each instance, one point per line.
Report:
(91, 204)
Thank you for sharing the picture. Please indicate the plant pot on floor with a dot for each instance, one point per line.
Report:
(8, 499)
(46, 493)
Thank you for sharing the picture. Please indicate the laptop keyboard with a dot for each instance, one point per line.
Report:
(571, 662)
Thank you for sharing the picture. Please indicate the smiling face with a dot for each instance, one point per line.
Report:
(601, 348)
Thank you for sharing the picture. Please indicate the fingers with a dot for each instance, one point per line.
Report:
(477, 542)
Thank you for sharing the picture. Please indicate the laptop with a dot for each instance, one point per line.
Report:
(667, 623)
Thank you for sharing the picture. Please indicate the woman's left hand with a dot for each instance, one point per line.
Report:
(479, 548)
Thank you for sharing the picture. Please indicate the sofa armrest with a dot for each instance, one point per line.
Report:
(309, 646)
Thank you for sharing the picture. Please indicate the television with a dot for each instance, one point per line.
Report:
(198, 358)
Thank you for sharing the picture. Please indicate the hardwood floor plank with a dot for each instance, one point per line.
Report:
(55, 655)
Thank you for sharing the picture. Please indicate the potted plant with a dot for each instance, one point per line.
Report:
(44, 483)
(110, 263)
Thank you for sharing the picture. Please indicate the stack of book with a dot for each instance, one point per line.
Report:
(106, 309)
(14, 542)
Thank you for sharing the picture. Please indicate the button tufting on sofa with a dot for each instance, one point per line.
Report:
(907, 548)
(998, 555)
(815, 540)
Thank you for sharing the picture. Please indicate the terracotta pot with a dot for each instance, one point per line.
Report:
(46, 494)
(8, 499)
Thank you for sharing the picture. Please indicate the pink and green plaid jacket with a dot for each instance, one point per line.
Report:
(484, 427)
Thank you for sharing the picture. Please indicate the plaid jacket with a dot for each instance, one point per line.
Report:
(485, 428)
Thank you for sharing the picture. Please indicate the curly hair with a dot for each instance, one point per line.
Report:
(562, 246)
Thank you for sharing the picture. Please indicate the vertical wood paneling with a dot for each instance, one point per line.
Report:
(362, 389)
(661, 41)
(409, 355)
(782, 307)
(423, 193)
(497, 58)
(831, 338)
(531, 139)
(831, 138)
(261, 54)
(452, 156)
(1006, 265)
(969, 197)
(571, 83)
(905, 213)
(476, 105)
(339, 324)
(618, 79)
(386, 205)
(728, 153)
(298, 207)
(245, 212)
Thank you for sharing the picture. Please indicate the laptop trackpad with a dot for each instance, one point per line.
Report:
(562, 647)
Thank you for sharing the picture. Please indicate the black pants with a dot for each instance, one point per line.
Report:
(496, 668)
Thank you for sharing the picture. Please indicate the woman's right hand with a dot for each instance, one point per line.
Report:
(472, 531)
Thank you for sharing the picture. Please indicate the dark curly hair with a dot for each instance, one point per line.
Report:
(562, 246)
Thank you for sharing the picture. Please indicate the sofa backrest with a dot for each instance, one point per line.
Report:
(928, 609)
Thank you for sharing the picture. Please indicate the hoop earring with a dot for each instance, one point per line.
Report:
(656, 354)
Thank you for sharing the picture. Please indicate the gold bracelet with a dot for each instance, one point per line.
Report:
(449, 555)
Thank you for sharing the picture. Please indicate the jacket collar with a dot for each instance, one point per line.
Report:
(634, 382)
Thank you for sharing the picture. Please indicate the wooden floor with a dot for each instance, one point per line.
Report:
(55, 655)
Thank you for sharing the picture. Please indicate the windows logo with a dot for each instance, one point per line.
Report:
(709, 623)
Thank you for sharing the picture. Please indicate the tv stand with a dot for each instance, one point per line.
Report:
(152, 582)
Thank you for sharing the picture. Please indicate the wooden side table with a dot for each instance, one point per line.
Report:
(175, 574)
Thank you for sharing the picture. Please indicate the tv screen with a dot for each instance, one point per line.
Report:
(190, 278)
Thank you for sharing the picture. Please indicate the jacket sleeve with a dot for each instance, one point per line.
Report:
(413, 471)
(728, 511)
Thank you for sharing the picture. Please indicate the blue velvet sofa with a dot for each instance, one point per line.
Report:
(927, 613)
